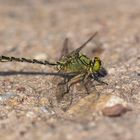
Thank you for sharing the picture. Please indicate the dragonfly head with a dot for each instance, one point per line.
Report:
(96, 65)
(97, 68)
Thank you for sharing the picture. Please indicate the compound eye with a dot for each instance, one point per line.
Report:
(96, 64)
(97, 59)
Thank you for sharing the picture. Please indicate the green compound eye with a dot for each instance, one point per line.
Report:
(96, 65)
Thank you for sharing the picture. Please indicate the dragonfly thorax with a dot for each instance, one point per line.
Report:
(79, 63)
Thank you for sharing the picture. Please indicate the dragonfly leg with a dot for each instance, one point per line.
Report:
(67, 90)
(95, 90)
(98, 80)
(65, 83)
(77, 79)
(72, 81)
(86, 87)
(85, 83)
(97, 94)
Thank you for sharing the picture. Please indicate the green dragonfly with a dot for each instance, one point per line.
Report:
(76, 66)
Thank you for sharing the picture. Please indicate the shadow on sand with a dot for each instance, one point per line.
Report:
(28, 73)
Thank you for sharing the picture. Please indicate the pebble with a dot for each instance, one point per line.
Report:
(111, 70)
(10, 99)
(88, 105)
(6, 96)
(30, 114)
(45, 109)
(114, 100)
(115, 110)
(40, 56)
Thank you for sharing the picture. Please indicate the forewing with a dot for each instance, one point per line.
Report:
(75, 52)
(65, 49)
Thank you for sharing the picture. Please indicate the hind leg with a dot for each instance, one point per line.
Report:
(64, 84)
(72, 81)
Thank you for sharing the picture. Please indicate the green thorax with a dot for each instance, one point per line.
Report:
(78, 63)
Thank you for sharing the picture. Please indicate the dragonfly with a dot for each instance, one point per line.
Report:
(76, 66)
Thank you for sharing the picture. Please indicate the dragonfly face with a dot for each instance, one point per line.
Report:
(95, 65)
(97, 71)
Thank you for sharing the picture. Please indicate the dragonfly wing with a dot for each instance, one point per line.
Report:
(65, 49)
(83, 45)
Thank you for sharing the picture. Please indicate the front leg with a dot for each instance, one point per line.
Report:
(78, 78)
(81, 78)
(86, 82)
(96, 78)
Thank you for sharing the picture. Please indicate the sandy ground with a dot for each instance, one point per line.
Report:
(29, 109)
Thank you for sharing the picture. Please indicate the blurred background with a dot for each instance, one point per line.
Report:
(37, 29)
(42, 25)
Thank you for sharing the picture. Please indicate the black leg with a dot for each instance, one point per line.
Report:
(95, 77)
(85, 82)
(64, 83)
(86, 88)
(72, 81)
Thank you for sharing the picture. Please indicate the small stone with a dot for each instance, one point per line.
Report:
(114, 100)
(46, 110)
(10, 99)
(30, 114)
(6, 96)
(87, 106)
(21, 89)
(44, 101)
(115, 110)
(90, 105)
(111, 71)
(41, 56)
